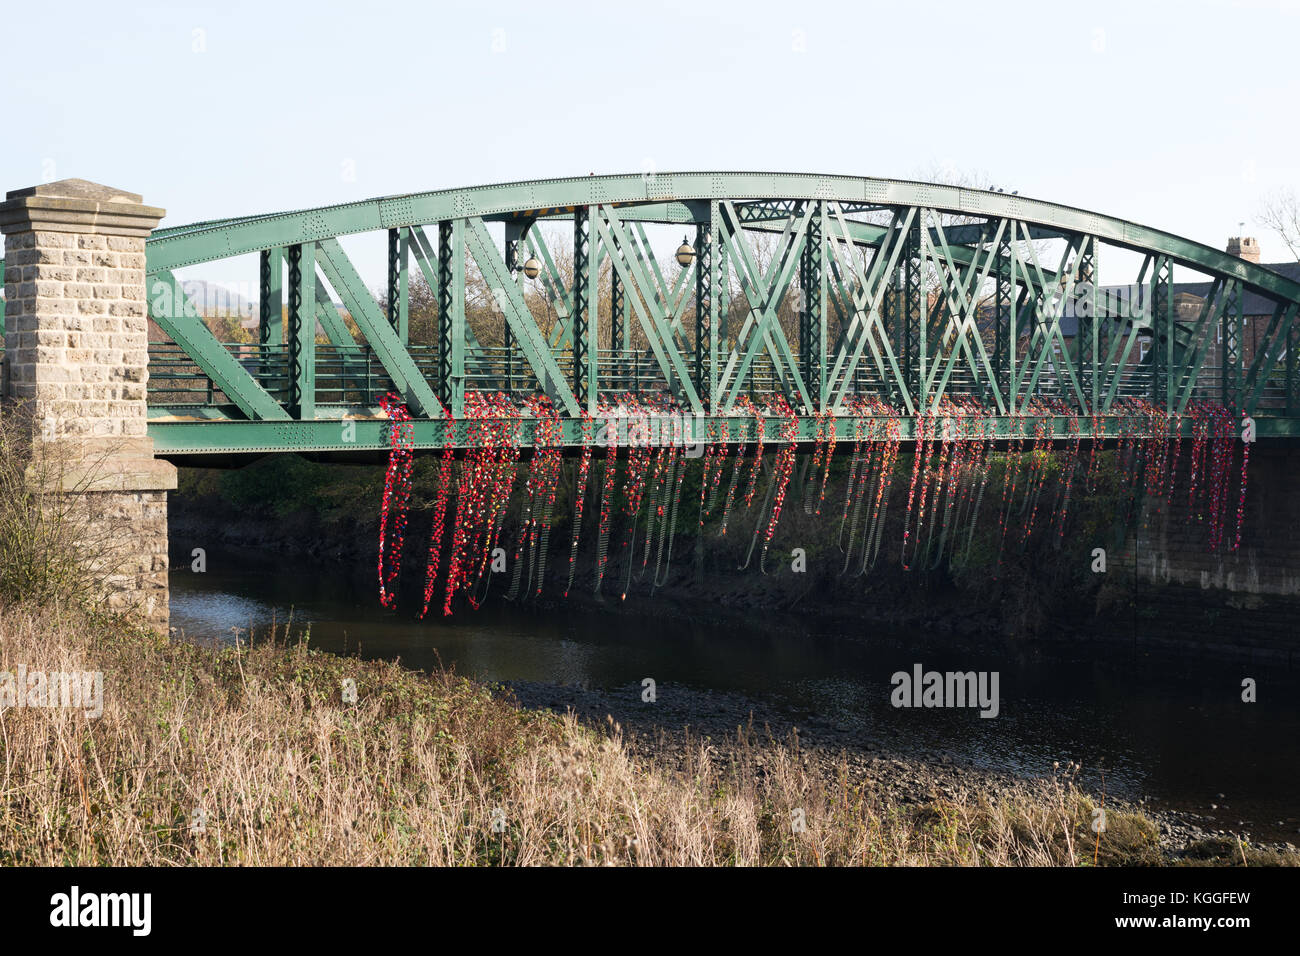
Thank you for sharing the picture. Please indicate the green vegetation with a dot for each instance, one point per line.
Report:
(287, 485)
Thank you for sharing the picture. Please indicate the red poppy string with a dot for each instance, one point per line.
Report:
(953, 454)
(397, 496)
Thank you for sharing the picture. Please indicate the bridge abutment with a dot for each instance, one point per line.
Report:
(1185, 597)
(76, 363)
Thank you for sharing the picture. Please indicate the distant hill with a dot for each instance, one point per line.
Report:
(216, 303)
(211, 299)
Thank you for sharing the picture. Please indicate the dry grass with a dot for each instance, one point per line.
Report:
(259, 741)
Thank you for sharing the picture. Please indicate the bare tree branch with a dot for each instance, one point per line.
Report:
(1280, 212)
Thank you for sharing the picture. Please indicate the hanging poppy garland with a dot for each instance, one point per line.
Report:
(784, 467)
(731, 488)
(924, 424)
(953, 460)
(540, 489)
(441, 496)
(580, 496)
(610, 431)
(1241, 493)
(486, 480)
(711, 478)
(760, 432)
(856, 470)
(397, 496)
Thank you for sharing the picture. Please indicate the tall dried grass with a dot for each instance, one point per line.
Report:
(249, 755)
(53, 550)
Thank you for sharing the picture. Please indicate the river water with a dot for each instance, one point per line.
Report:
(1173, 731)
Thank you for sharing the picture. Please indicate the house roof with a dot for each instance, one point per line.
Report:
(1253, 303)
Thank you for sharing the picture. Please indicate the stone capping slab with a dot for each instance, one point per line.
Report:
(88, 465)
(76, 205)
(142, 474)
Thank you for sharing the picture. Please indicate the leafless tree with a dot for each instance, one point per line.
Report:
(1280, 212)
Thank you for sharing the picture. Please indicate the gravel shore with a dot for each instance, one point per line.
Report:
(683, 718)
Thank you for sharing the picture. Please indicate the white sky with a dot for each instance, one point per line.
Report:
(1179, 115)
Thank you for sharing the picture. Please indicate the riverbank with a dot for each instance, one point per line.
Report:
(1038, 601)
(887, 772)
(256, 754)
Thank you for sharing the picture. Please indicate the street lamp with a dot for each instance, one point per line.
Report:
(685, 254)
(532, 268)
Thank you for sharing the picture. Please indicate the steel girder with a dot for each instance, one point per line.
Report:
(705, 308)
(176, 315)
(896, 300)
(379, 333)
(583, 292)
(302, 331)
(812, 298)
(270, 326)
(373, 435)
(191, 245)
(399, 241)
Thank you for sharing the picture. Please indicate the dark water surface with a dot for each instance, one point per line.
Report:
(1174, 731)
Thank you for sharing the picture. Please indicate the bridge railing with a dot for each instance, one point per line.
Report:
(354, 376)
(175, 379)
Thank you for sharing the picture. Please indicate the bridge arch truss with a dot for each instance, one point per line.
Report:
(824, 289)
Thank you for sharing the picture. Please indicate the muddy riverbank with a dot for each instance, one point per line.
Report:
(682, 720)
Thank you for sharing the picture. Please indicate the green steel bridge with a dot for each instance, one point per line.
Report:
(910, 293)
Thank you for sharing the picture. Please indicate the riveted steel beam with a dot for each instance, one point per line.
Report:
(959, 290)
(302, 330)
(451, 316)
(899, 310)
(399, 240)
(1196, 346)
(617, 313)
(582, 293)
(764, 292)
(327, 316)
(1234, 325)
(812, 306)
(180, 439)
(869, 326)
(1267, 353)
(704, 333)
(270, 305)
(173, 249)
(426, 258)
(1046, 338)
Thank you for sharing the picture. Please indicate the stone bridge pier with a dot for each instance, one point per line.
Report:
(76, 361)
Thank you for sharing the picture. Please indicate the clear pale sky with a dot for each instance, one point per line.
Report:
(1180, 115)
